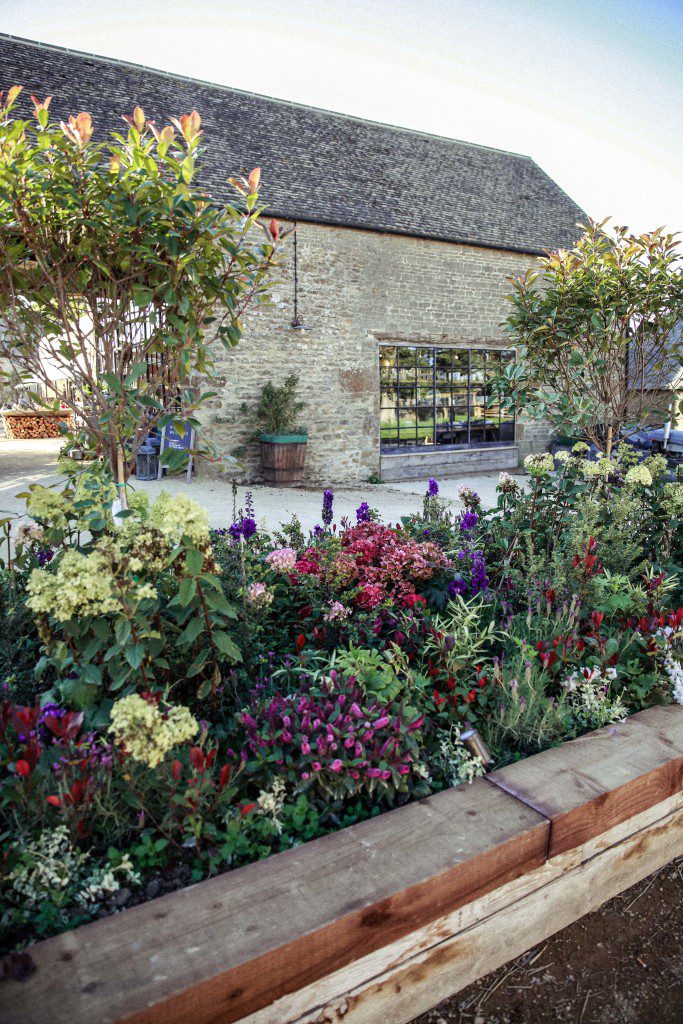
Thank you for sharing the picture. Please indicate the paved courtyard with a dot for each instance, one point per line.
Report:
(26, 462)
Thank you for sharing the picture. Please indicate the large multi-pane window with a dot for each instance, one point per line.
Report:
(441, 396)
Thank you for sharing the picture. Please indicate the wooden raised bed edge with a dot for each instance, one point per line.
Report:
(384, 919)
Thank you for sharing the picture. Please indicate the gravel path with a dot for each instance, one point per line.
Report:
(25, 462)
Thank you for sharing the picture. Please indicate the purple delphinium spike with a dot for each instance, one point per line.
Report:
(363, 513)
(328, 498)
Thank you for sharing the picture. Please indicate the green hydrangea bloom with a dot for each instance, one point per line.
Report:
(672, 502)
(48, 506)
(82, 585)
(177, 516)
(149, 731)
(539, 465)
(639, 476)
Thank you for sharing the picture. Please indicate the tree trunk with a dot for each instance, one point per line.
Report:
(121, 478)
(609, 440)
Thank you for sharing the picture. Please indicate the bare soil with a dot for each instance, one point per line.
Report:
(622, 964)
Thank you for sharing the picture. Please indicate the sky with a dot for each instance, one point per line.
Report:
(592, 91)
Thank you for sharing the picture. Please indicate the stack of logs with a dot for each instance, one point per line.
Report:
(24, 425)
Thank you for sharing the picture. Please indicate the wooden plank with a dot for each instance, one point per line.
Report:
(224, 948)
(587, 786)
(406, 979)
(332, 989)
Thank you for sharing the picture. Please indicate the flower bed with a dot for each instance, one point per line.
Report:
(184, 701)
(384, 919)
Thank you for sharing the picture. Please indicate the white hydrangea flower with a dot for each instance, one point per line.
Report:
(639, 475)
(148, 731)
(540, 464)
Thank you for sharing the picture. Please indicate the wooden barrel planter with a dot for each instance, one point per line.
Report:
(282, 458)
(382, 920)
(22, 425)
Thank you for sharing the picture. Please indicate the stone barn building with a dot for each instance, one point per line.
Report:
(390, 301)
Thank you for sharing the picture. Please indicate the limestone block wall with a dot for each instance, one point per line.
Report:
(356, 289)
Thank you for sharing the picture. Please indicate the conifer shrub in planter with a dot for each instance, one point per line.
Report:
(282, 442)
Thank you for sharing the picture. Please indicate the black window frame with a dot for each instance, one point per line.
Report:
(405, 389)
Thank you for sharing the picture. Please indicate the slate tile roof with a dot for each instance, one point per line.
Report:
(317, 166)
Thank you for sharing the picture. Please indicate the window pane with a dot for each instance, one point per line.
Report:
(388, 396)
(443, 362)
(387, 366)
(460, 363)
(442, 396)
(477, 366)
(406, 365)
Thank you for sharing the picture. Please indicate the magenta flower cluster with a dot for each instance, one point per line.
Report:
(332, 734)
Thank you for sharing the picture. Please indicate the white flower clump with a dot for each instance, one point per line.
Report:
(563, 455)
(148, 731)
(454, 760)
(639, 475)
(29, 534)
(507, 484)
(588, 699)
(674, 670)
(271, 801)
(178, 516)
(597, 470)
(52, 868)
(539, 465)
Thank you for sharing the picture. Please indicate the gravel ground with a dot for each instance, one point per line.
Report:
(622, 964)
(25, 462)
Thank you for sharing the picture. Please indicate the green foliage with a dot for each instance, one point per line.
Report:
(139, 268)
(373, 670)
(593, 328)
(363, 663)
(137, 605)
(278, 408)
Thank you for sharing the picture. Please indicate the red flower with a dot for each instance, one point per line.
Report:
(67, 727)
(224, 776)
(300, 641)
(246, 808)
(548, 658)
(596, 618)
(54, 801)
(438, 699)
(23, 768)
(197, 759)
(176, 769)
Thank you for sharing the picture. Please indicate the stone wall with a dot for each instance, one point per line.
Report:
(355, 290)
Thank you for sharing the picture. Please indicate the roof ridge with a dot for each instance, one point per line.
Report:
(263, 96)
